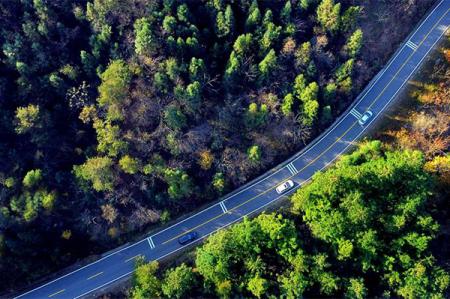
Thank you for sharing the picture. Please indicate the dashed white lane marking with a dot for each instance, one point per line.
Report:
(292, 168)
(133, 257)
(224, 208)
(411, 45)
(355, 113)
(150, 242)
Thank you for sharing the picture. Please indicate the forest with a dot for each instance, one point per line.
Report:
(118, 116)
(375, 225)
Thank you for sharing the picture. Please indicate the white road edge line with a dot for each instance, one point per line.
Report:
(379, 75)
(79, 269)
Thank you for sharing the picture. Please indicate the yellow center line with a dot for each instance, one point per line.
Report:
(95, 275)
(132, 258)
(54, 294)
(327, 149)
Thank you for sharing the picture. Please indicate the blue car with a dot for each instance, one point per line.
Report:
(187, 238)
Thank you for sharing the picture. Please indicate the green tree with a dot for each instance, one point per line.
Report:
(270, 37)
(32, 178)
(349, 18)
(170, 24)
(304, 4)
(232, 68)
(115, 83)
(303, 55)
(356, 289)
(109, 138)
(9, 182)
(129, 164)
(178, 281)
(254, 154)
(310, 111)
(286, 12)
(179, 183)
(328, 15)
(28, 118)
(172, 68)
(422, 279)
(48, 199)
(268, 18)
(88, 61)
(27, 205)
(97, 170)
(235, 256)
(225, 22)
(144, 41)
(310, 92)
(193, 93)
(254, 16)
(329, 92)
(256, 116)
(288, 102)
(192, 44)
(345, 71)
(196, 69)
(219, 182)
(257, 286)
(268, 65)
(299, 85)
(371, 212)
(354, 43)
(243, 44)
(327, 115)
(145, 282)
(183, 13)
(174, 117)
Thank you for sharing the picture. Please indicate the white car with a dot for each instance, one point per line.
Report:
(365, 117)
(285, 186)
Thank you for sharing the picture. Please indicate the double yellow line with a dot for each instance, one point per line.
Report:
(327, 149)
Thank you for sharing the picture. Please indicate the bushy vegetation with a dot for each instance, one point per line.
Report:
(115, 115)
(421, 122)
(361, 229)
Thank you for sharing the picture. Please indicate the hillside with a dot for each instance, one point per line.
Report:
(117, 116)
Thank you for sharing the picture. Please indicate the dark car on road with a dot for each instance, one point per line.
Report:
(187, 238)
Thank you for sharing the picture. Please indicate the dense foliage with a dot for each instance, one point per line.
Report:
(115, 115)
(367, 234)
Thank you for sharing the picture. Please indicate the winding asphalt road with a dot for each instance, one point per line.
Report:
(253, 197)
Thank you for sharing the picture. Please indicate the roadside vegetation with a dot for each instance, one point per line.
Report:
(422, 122)
(360, 229)
(373, 225)
(116, 116)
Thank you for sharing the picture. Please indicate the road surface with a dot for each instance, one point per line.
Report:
(119, 264)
